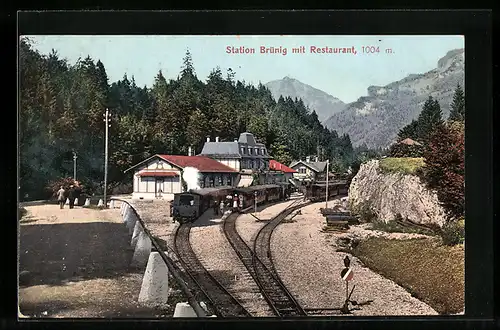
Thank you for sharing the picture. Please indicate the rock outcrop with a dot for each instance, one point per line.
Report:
(388, 195)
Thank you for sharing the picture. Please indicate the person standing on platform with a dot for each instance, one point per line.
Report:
(221, 207)
(71, 196)
(60, 197)
(216, 208)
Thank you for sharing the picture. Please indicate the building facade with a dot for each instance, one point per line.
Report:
(244, 155)
(279, 172)
(160, 176)
(307, 171)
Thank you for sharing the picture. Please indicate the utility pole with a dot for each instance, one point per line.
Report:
(327, 165)
(74, 165)
(107, 120)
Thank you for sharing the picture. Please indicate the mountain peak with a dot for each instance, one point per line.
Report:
(323, 103)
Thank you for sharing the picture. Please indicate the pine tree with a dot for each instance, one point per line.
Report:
(457, 112)
(409, 131)
(429, 120)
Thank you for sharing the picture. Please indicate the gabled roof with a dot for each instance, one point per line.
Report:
(315, 166)
(277, 166)
(203, 164)
(228, 149)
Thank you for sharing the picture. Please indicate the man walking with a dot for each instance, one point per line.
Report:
(71, 197)
(60, 197)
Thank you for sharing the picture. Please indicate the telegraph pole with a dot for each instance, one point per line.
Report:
(74, 165)
(107, 120)
(326, 201)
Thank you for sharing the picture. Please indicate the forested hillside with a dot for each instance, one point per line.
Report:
(62, 107)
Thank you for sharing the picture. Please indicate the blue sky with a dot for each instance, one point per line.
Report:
(345, 76)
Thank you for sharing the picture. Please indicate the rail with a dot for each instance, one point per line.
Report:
(200, 312)
(263, 277)
(282, 299)
(221, 300)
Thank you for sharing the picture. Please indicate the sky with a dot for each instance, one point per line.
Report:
(343, 75)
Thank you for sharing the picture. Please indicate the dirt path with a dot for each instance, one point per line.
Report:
(75, 263)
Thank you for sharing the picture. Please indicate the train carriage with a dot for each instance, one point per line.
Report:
(188, 206)
(317, 191)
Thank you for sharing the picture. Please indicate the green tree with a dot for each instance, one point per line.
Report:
(429, 119)
(457, 112)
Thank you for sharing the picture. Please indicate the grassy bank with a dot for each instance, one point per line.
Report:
(430, 271)
(401, 165)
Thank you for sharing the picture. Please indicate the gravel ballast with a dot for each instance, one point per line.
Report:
(310, 268)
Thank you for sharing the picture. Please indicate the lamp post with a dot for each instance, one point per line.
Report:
(255, 200)
(326, 197)
(107, 120)
(74, 165)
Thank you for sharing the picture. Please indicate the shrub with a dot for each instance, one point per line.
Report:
(453, 232)
(55, 185)
(365, 212)
(401, 165)
(405, 150)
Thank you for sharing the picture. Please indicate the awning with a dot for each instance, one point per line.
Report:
(245, 181)
(158, 173)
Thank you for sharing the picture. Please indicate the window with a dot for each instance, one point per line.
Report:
(220, 180)
(185, 200)
(243, 151)
(263, 151)
(249, 151)
(257, 151)
(212, 181)
(228, 180)
(302, 170)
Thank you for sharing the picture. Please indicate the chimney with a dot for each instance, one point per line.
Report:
(308, 159)
(208, 138)
(190, 151)
(216, 139)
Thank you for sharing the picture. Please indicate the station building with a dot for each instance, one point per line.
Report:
(160, 176)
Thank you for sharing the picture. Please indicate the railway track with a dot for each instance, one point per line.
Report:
(223, 303)
(275, 293)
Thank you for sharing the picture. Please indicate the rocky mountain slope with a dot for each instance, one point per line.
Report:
(376, 119)
(323, 103)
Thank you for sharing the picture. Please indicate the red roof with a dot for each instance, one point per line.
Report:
(157, 173)
(277, 166)
(202, 163)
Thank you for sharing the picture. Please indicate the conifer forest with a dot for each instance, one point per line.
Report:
(62, 109)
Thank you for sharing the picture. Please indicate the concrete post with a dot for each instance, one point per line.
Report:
(130, 222)
(112, 204)
(76, 201)
(142, 250)
(154, 289)
(67, 201)
(135, 234)
(100, 204)
(87, 202)
(184, 310)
